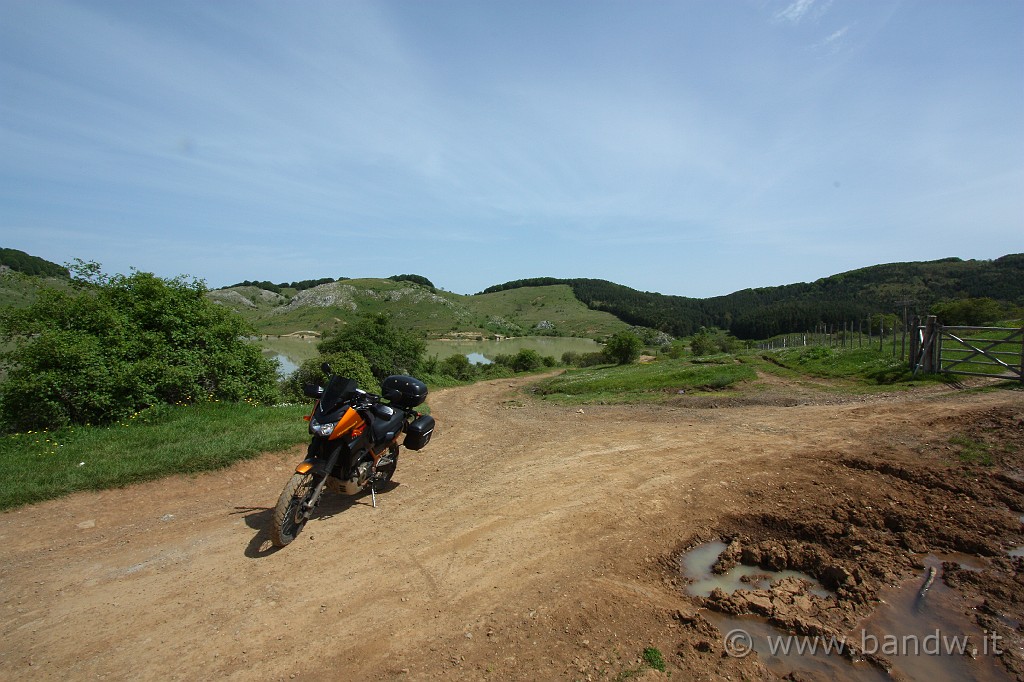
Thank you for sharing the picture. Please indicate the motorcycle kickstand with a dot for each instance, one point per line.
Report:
(373, 495)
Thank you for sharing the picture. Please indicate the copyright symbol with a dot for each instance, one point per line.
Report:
(738, 643)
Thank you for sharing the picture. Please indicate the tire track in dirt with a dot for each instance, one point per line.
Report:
(527, 540)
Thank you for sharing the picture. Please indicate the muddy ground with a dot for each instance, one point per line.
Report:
(531, 541)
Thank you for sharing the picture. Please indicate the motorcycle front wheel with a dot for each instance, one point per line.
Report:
(288, 518)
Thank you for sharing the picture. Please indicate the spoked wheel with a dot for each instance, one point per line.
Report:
(288, 517)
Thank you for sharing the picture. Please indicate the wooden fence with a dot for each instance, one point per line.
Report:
(994, 352)
(850, 334)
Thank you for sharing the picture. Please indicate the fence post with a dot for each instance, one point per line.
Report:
(913, 342)
(931, 343)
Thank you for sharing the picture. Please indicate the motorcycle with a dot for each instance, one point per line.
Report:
(354, 445)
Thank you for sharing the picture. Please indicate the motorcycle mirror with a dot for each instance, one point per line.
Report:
(326, 367)
(312, 390)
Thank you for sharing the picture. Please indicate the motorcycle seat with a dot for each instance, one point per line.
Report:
(386, 429)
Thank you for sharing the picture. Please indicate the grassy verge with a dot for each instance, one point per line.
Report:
(641, 383)
(852, 371)
(862, 365)
(159, 442)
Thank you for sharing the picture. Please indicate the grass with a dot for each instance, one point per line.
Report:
(959, 357)
(642, 383)
(37, 466)
(972, 451)
(653, 658)
(434, 314)
(833, 370)
(863, 365)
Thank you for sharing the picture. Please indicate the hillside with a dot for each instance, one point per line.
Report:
(765, 312)
(434, 313)
(597, 308)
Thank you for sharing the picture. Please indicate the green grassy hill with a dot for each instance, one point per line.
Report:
(597, 308)
(434, 313)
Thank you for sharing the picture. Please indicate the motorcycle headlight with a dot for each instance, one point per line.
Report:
(321, 429)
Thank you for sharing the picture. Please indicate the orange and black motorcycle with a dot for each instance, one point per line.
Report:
(354, 445)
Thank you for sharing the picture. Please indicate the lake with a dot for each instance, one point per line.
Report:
(483, 352)
(290, 352)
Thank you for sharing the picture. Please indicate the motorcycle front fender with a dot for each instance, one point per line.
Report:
(320, 458)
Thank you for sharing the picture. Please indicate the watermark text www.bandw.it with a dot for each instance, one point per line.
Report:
(739, 643)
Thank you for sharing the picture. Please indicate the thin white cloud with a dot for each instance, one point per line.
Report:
(833, 42)
(795, 12)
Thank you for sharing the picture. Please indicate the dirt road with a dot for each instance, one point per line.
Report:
(527, 541)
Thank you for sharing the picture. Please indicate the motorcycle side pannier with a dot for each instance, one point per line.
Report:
(403, 391)
(418, 433)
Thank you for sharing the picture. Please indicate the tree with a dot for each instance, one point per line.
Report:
(388, 350)
(968, 311)
(415, 279)
(31, 265)
(113, 345)
(703, 343)
(624, 348)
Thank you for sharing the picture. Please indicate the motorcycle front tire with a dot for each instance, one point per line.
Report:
(288, 521)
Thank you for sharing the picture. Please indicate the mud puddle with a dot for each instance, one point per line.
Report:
(921, 630)
(697, 566)
(929, 634)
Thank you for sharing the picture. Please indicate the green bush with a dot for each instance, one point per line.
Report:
(624, 348)
(594, 359)
(113, 345)
(458, 367)
(709, 341)
(387, 349)
(525, 360)
(347, 364)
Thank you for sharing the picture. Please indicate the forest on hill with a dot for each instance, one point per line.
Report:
(20, 261)
(768, 311)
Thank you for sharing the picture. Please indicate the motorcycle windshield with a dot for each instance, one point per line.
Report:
(336, 392)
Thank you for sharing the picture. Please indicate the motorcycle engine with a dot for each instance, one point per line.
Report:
(360, 476)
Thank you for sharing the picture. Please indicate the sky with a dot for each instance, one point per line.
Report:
(693, 148)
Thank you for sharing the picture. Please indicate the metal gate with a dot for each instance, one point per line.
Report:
(993, 352)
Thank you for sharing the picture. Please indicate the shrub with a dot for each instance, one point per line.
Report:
(709, 341)
(525, 360)
(113, 345)
(703, 344)
(387, 349)
(624, 348)
(594, 359)
(457, 367)
(347, 364)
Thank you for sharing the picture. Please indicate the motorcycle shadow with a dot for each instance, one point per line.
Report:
(260, 519)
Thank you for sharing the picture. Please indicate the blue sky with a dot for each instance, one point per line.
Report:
(690, 148)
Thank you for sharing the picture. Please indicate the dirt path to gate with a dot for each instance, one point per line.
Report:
(528, 541)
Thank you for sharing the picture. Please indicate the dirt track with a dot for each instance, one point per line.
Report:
(528, 541)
